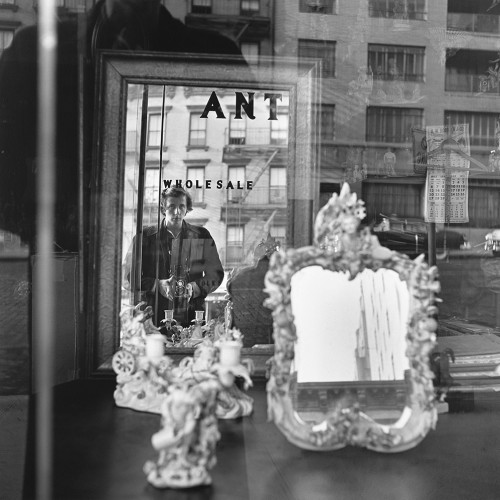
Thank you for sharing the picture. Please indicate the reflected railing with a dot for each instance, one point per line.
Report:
(477, 23)
(275, 195)
(249, 137)
(471, 83)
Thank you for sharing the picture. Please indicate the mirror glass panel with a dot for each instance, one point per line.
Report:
(351, 343)
(233, 166)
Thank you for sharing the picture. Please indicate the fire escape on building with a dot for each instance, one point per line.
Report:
(258, 209)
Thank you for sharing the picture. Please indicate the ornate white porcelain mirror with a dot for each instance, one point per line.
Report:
(353, 328)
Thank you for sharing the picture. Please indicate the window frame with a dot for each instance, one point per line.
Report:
(319, 49)
(197, 143)
(394, 111)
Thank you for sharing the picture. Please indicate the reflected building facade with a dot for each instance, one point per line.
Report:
(234, 169)
(390, 67)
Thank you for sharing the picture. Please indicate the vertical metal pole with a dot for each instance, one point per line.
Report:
(44, 272)
(137, 258)
(431, 243)
(158, 220)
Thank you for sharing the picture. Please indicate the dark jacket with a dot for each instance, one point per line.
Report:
(18, 113)
(199, 257)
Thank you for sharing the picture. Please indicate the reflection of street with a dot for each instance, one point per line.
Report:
(470, 288)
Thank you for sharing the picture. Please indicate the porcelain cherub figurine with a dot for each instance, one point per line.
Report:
(336, 228)
(142, 370)
(207, 364)
(186, 443)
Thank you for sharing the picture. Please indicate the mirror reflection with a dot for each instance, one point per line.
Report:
(351, 342)
(205, 183)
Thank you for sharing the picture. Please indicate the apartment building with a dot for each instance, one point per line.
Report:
(234, 168)
(390, 67)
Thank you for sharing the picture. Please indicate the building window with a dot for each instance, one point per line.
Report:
(398, 9)
(237, 130)
(234, 243)
(154, 130)
(317, 6)
(201, 6)
(151, 186)
(390, 125)
(319, 49)
(6, 37)
(277, 185)
(473, 16)
(396, 62)
(235, 175)
(250, 49)
(279, 234)
(197, 130)
(327, 121)
(197, 176)
(250, 7)
(468, 71)
(481, 126)
(279, 129)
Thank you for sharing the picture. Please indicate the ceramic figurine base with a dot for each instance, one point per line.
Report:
(188, 478)
(144, 386)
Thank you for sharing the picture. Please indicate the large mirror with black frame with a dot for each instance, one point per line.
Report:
(197, 162)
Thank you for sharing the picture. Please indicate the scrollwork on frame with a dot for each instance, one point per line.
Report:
(339, 248)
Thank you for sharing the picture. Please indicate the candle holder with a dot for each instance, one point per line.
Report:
(210, 361)
(187, 440)
(141, 367)
(196, 333)
(202, 390)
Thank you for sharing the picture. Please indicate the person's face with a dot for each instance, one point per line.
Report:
(175, 211)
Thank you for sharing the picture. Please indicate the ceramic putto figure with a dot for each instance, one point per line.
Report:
(202, 389)
(142, 371)
(187, 440)
(337, 230)
(221, 360)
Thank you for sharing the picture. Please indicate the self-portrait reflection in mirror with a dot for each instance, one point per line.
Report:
(180, 262)
(144, 25)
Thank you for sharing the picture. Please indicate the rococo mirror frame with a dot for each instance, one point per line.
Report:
(348, 425)
(119, 69)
